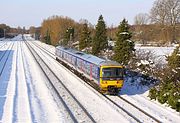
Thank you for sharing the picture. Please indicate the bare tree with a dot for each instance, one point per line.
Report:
(166, 13)
(141, 19)
(173, 7)
(173, 19)
(83, 21)
(159, 12)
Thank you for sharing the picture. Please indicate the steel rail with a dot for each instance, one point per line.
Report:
(71, 114)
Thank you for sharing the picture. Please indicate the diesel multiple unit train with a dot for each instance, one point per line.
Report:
(107, 75)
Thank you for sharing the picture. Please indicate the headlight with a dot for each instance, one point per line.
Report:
(104, 82)
(118, 82)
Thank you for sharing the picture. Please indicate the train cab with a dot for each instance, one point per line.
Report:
(111, 77)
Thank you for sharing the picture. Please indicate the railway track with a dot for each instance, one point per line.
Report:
(42, 48)
(115, 99)
(5, 57)
(2, 45)
(152, 117)
(5, 51)
(77, 113)
(140, 116)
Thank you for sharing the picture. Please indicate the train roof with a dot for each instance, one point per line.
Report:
(88, 57)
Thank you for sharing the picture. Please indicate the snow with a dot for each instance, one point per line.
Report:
(111, 43)
(129, 40)
(124, 33)
(136, 94)
(145, 62)
(24, 93)
(160, 52)
(26, 96)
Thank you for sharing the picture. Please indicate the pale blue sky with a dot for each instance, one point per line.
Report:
(32, 12)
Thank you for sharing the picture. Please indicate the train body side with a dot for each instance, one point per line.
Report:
(90, 70)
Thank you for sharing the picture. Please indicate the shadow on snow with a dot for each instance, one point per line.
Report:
(136, 83)
(5, 78)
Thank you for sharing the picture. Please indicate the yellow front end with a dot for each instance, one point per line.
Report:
(109, 83)
(110, 80)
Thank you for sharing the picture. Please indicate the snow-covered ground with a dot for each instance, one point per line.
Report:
(1, 39)
(159, 52)
(25, 95)
(23, 92)
(139, 95)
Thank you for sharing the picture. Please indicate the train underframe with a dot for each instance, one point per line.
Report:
(110, 90)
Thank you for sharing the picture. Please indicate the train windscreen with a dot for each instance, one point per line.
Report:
(112, 73)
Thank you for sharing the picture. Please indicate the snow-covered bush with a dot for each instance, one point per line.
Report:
(145, 65)
(168, 91)
(143, 62)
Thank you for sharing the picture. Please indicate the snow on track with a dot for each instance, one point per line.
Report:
(21, 111)
(134, 111)
(24, 96)
(154, 109)
(6, 89)
(42, 103)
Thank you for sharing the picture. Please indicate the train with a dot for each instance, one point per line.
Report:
(106, 74)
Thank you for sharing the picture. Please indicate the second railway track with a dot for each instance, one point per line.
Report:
(5, 57)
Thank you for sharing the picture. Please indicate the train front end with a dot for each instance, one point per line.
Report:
(111, 79)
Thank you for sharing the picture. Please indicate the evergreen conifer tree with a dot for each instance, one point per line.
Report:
(100, 41)
(174, 65)
(124, 46)
(85, 38)
(69, 36)
(66, 38)
(48, 37)
(174, 59)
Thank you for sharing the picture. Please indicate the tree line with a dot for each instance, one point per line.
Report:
(9, 32)
(161, 25)
(58, 30)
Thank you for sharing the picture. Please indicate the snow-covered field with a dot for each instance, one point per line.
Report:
(25, 95)
(159, 53)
